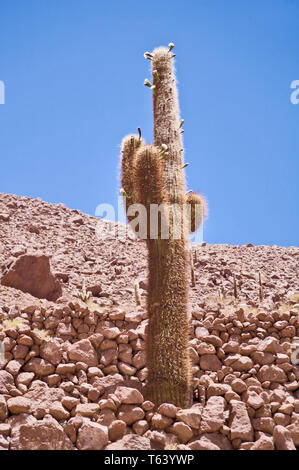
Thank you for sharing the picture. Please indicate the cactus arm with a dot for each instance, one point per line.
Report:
(197, 206)
(130, 145)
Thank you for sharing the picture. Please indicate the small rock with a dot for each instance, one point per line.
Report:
(83, 351)
(18, 405)
(117, 430)
(167, 409)
(129, 396)
(39, 366)
(182, 431)
(131, 442)
(92, 436)
(213, 415)
(239, 421)
(210, 362)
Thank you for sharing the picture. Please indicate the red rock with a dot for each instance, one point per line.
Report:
(238, 386)
(282, 419)
(110, 333)
(210, 362)
(213, 415)
(129, 396)
(166, 409)
(271, 373)
(265, 424)
(201, 332)
(51, 351)
(130, 442)
(6, 381)
(242, 364)
(4, 443)
(39, 366)
(83, 351)
(46, 434)
(139, 359)
(210, 441)
(70, 402)
(58, 412)
(14, 366)
(126, 369)
(239, 421)
(263, 443)
(283, 439)
(205, 348)
(42, 396)
(231, 347)
(117, 430)
(262, 358)
(32, 274)
(92, 436)
(20, 351)
(3, 409)
(64, 369)
(106, 417)
(217, 389)
(4, 216)
(148, 405)
(140, 427)
(87, 409)
(269, 345)
(182, 431)
(5, 429)
(160, 422)
(130, 413)
(191, 416)
(293, 428)
(253, 399)
(18, 405)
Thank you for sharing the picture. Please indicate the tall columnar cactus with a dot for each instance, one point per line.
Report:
(154, 174)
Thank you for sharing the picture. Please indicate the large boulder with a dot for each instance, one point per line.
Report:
(32, 274)
(45, 434)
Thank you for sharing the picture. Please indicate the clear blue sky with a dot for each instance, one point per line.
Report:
(74, 73)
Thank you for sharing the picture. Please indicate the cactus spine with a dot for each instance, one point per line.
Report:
(154, 174)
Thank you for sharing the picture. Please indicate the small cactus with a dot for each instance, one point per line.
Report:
(192, 271)
(137, 294)
(261, 289)
(235, 287)
(83, 294)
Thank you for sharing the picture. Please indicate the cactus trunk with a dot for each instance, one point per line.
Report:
(169, 371)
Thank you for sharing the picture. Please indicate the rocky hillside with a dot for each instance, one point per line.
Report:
(73, 371)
